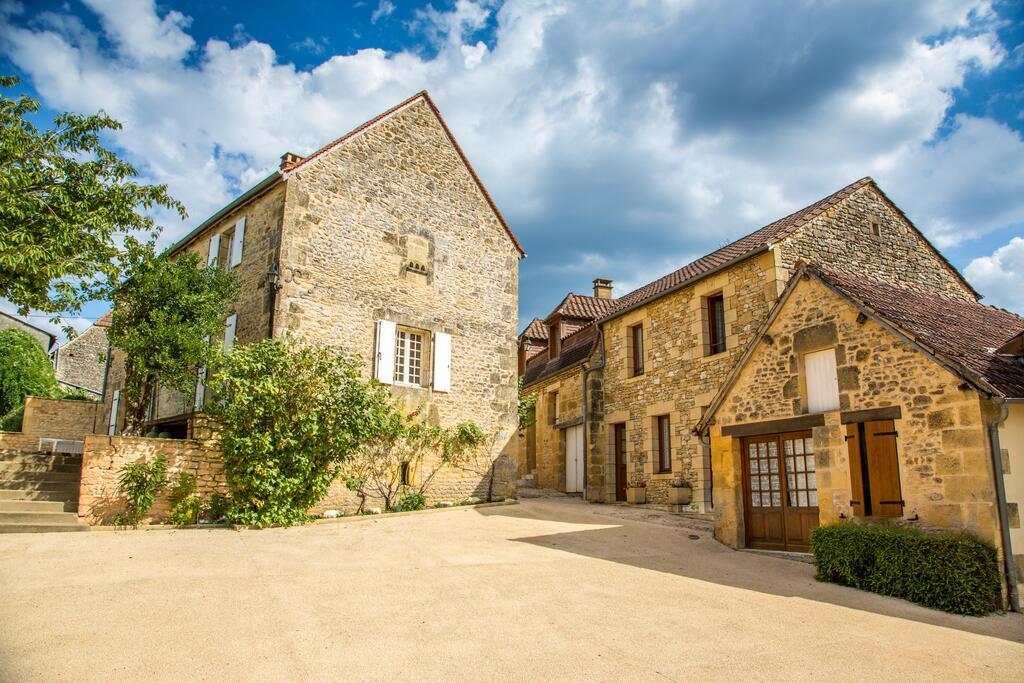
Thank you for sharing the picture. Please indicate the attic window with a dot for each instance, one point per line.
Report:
(415, 267)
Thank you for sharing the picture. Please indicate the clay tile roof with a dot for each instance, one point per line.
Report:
(576, 348)
(105, 320)
(588, 307)
(425, 96)
(535, 330)
(966, 333)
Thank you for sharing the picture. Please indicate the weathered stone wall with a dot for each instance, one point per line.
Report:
(57, 418)
(1011, 442)
(945, 471)
(678, 380)
(44, 339)
(104, 456)
(357, 218)
(80, 362)
(843, 237)
(17, 441)
(565, 389)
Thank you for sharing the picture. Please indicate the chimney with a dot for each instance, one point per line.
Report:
(289, 159)
(602, 288)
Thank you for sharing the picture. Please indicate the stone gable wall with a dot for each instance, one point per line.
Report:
(355, 220)
(80, 362)
(843, 237)
(945, 471)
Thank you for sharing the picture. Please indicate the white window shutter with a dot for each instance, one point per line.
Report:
(201, 390)
(211, 258)
(442, 362)
(229, 332)
(385, 370)
(822, 381)
(236, 243)
(114, 407)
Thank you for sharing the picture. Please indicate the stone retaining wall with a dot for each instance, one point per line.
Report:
(58, 418)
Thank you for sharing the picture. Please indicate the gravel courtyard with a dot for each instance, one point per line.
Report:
(545, 589)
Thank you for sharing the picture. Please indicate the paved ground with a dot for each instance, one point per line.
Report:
(541, 590)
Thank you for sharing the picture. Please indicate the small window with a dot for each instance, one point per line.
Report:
(227, 238)
(822, 381)
(715, 324)
(636, 338)
(663, 443)
(553, 408)
(403, 473)
(408, 357)
(876, 228)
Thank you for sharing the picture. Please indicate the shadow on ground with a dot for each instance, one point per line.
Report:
(671, 549)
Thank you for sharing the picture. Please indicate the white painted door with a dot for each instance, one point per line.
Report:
(574, 459)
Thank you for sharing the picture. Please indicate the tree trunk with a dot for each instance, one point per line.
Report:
(138, 394)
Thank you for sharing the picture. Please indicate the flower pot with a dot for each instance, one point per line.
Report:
(680, 495)
(636, 496)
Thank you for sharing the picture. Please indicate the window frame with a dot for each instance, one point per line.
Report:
(715, 306)
(663, 444)
(552, 408)
(404, 356)
(636, 350)
(833, 405)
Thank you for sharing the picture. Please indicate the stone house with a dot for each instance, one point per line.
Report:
(862, 398)
(47, 340)
(663, 351)
(80, 363)
(384, 243)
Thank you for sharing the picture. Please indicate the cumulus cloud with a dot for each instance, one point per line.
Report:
(1001, 275)
(620, 139)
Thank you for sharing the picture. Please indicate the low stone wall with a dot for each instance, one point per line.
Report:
(16, 441)
(58, 418)
(104, 456)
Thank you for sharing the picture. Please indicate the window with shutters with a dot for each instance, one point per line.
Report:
(408, 357)
(663, 444)
(822, 381)
(874, 469)
(224, 253)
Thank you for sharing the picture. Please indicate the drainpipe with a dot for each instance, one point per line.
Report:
(586, 425)
(1004, 523)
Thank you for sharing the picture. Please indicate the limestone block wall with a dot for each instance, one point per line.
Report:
(945, 471)
(17, 441)
(59, 418)
(845, 237)
(104, 456)
(562, 396)
(390, 225)
(679, 380)
(80, 362)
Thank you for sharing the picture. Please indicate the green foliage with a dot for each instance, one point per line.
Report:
(139, 483)
(65, 202)
(957, 573)
(185, 502)
(527, 406)
(411, 501)
(289, 416)
(164, 311)
(11, 422)
(25, 370)
(216, 508)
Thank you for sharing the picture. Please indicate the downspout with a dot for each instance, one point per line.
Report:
(1004, 517)
(586, 425)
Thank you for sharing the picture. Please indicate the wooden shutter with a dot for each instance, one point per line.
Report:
(883, 468)
(822, 381)
(442, 362)
(385, 370)
(856, 478)
(236, 243)
(229, 331)
(115, 405)
(211, 257)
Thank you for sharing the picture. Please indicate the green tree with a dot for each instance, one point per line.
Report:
(166, 311)
(25, 370)
(65, 203)
(289, 415)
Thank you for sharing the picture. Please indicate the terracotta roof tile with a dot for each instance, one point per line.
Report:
(535, 330)
(966, 333)
(587, 307)
(105, 320)
(575, 349)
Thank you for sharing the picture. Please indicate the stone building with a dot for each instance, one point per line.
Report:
(80, 363)
(860, 398)
(45, 339)
(384, 243)
(662, 352)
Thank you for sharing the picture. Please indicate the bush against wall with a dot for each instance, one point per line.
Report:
(957, 573)
(25, 370)
(139, 483)
(289, 415)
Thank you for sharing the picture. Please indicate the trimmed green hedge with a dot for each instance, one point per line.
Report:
(958, 573)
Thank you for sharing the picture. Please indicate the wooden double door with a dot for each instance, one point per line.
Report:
(780, 491)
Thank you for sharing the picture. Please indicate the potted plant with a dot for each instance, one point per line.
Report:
(636, 493)
(680, 492)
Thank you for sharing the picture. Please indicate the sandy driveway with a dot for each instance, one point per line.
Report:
(541, 590)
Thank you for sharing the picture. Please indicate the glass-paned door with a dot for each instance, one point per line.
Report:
(781, 493)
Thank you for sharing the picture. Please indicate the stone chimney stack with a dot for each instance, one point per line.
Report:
(289, 159)
(602, 288)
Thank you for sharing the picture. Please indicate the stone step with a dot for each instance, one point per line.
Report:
(530, 492)
(38, 478)
(38, 518)
(67, 494)
(17, 456)
(32, 506)
(40, 528)
(67, 489)
(34, 465)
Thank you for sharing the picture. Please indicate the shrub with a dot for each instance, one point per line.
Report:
(411, 501)
(25, 370)
(289, 415)
(958, 573)
(185, 502)
(139, 482)
(11, 422)
(217, 507)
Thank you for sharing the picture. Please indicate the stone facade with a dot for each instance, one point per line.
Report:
(80, 362)
(55, 418)
(104, 456)
(559, 403)
(1011, 441)
(45, 339)
(944, 464)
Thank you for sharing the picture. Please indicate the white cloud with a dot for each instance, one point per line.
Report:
(383, 11)
(1001, 276)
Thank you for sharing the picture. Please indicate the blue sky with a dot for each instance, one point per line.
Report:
(620, 139)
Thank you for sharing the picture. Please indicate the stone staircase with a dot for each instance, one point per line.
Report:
(39, 492)
(526, 487)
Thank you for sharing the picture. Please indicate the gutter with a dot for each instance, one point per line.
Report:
(1009, 569)
(586, 423)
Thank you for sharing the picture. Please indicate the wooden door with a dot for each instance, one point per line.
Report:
(619, 437)
(780, 491)
(574, 459)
